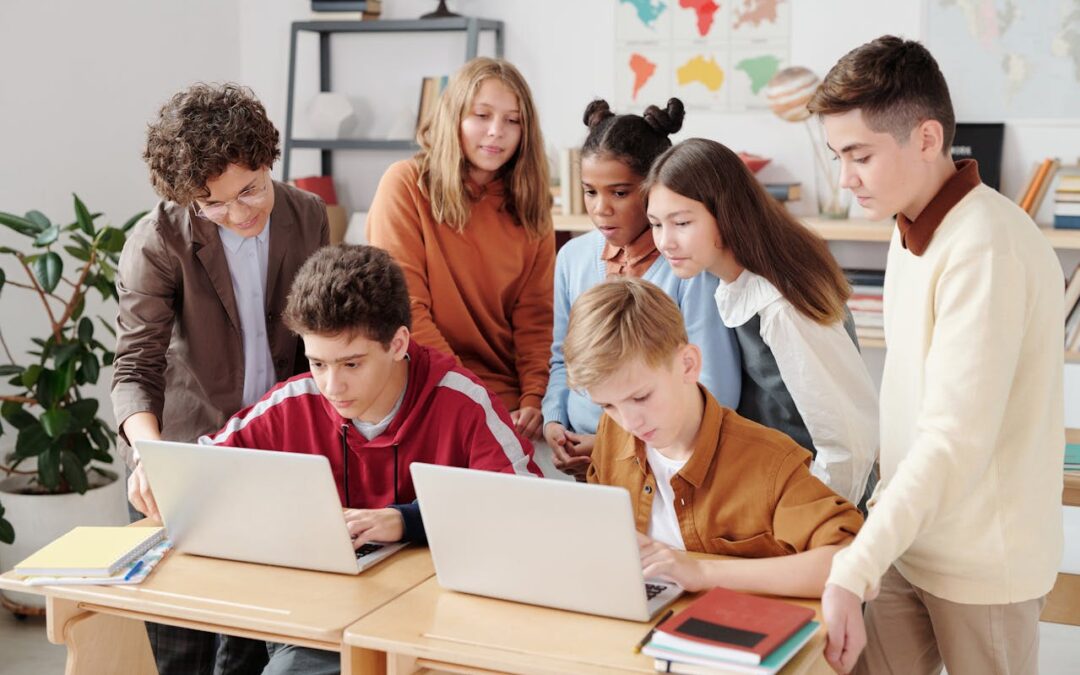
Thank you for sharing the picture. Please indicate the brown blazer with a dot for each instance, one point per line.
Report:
(746, 490)
(179, 352)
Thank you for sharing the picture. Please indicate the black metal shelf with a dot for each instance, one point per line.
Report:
(354, 144)
(471, 26)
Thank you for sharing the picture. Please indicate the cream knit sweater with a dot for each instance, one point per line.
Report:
(969, 507)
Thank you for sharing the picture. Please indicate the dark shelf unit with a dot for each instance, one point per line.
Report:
(471, 26)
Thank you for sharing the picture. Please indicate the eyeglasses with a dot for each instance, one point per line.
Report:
(253, 197)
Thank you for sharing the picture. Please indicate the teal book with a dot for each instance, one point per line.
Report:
(679, 661)
(1072, 454)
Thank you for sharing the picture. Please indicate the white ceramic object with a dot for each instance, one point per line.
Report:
(331, 116)
(38, 519)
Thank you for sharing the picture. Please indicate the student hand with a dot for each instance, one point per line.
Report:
(660, 561)
(580, 445)
(842, 612)
(556, 436)
(139, 493)
(367, 525)
(527, 421)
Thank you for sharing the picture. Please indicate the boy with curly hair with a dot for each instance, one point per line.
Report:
(202, 282)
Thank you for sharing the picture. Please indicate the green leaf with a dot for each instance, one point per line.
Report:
(132, 221)
(48, 236)
(108, 273)
(63, 353)
(48, 269)
(111, 240)
(111, 475)
(3, 278)
(10, 369)
(84, 411)
(39, 219)
(86, 330)
(100, 439)
(56, 422)
(80, 306)
(52, 385)
(108, 326)
(19, 224)
(83, 241)
(83, 217)
(15, 415)
(49, 468)
(30, 376)
(78, 253)
(74, 473)
(7, 532)
(32, 441)
(90, 367)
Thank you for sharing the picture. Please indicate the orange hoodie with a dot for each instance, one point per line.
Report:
(484, 295)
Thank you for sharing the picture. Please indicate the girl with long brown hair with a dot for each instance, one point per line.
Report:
(469, 221)
(783, 294)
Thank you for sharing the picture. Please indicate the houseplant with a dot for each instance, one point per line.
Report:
(54, 421)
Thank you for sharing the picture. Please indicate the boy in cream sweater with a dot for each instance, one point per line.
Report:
(964, 535)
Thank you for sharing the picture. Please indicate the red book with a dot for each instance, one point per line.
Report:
(732, 626)
(320, 185)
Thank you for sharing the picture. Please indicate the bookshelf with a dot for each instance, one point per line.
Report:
(470, 26)
(854, 229)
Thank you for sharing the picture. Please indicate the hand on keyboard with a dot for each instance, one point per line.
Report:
(368, 525)
(660, 561)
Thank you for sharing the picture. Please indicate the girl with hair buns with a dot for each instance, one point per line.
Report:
(469, 222)
(783, 294)
(615, 158)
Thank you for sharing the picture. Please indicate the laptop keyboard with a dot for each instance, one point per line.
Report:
(368, 549)
(653, 590)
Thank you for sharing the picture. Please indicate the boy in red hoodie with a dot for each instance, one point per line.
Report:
(374, 401)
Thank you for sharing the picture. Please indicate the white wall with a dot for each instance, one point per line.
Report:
(78, 83)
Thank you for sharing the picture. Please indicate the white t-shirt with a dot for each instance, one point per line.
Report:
(664, 524)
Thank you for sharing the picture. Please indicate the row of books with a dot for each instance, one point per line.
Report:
(1072, 312)
(1031, 196)
(866, 301)
(732, 631)
(1067, 202)
(571, 193)
(430, 90)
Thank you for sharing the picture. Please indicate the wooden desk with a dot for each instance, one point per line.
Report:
(429, 627)
(103, 625)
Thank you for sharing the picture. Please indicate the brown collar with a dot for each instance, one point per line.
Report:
(642, 246)
(916, 235)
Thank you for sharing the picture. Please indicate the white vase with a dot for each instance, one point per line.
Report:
(38, 519)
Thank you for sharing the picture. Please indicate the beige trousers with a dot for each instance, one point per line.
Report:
(911, 632)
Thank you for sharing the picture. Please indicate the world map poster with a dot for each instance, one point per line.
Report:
(713, 54)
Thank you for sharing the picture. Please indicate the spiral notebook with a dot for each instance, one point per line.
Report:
(91, 551)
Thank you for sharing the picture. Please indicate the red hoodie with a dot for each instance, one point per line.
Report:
(447, 417)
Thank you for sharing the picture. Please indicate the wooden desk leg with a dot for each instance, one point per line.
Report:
(98, 644)
(360, 661)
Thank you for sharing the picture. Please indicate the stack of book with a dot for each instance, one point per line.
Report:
(1031, 196)
(572, 197)
(1072, 456)
(1067, 202)
(430, 90)
(96, 555)
(865, 302)
(784, 192)
(733, 632)
(1072, 312)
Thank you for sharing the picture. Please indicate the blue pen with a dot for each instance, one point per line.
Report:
(133, 571)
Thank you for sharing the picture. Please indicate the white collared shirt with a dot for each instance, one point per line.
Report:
(248, 260)
(664, 523)
(825, 375)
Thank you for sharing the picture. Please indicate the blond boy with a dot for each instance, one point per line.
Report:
(701, 477)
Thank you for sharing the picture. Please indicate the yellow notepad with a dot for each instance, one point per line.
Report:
(91, 551)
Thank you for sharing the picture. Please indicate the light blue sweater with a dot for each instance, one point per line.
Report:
(579, 267)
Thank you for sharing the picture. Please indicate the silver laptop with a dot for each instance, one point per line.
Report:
(275, 508)
(543, 542)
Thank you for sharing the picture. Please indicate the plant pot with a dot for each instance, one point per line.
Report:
(38, 519)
